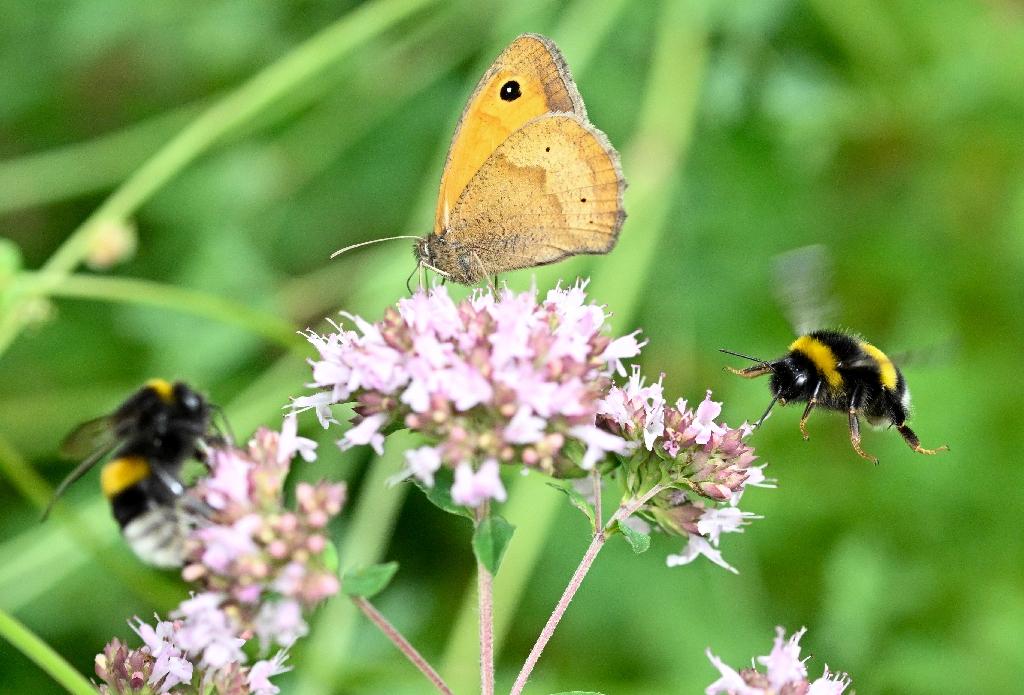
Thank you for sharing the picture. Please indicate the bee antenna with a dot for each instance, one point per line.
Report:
(372, 241)
(746, 357)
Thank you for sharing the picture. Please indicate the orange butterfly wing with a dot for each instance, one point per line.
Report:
(553, 189)
(529, 79)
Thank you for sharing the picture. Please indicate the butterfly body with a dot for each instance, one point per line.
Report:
(528, 179)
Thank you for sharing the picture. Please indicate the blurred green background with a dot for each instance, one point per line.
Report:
(891, 131)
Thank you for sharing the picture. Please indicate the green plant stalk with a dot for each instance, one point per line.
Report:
(373, 519)
(29, 644)
(655, 152)
(401, 643)
(365, 542)
(234, 110)
(485, 617)
(161, 295)
(626, 509)
(582, 28)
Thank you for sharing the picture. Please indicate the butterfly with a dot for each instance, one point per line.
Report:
(528, 179)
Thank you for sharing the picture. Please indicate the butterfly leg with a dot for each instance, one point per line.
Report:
(813, 401)
(914, 442)
(855, 403)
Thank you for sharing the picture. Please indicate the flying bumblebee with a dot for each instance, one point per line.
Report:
(149, 438)
(831, 369)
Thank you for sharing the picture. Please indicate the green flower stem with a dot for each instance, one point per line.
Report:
(165, 296)
(582, 28)
(485, 603)
(396, 637)
(29, 644)
(625, 510)
(652, 158)
(364, 543)
(227, 114)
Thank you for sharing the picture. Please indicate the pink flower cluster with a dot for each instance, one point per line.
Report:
(258, 566)
(708, 464)
(195, 652)
(496, 378)
(785, 673)
(267, 562)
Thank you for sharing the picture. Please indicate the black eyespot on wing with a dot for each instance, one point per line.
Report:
(547, 149)
(583, 200)
(510, 91)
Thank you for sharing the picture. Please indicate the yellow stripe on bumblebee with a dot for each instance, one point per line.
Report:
(121, 473)
(886, 369)
(162, 388)
(822, 356)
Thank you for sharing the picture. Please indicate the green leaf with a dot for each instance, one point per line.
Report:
(490, 540)
(578, 692)
(441, 494)
(368, 581)
(639, 542)
(578, 501)
(329, 556)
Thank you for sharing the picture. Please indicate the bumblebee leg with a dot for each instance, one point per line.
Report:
(813, 401)
(771, 405)
(915, 443)
(855, 427)
(751, 372)
(170, 483)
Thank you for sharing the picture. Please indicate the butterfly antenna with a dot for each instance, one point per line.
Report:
(372, 241)
(740, 354)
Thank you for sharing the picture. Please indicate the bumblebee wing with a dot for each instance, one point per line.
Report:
(90, 441)
(89, 438)
(80, 470)
(859, 363)
(802, 286)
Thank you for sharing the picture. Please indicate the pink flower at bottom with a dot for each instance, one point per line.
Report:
(785, 672)
(262, 671)
(473, 489)
(695, 547)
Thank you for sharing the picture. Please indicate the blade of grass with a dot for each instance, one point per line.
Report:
(29, 644)
(165, 296)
